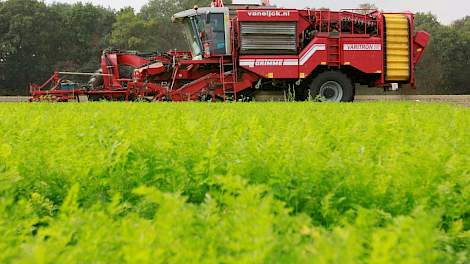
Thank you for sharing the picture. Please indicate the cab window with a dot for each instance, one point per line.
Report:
(217, 26)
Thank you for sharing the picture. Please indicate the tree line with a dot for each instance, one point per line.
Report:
(37, 38)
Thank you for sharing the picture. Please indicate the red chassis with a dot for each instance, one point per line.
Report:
(243, 50)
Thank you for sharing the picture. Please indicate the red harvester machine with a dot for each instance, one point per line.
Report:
(239, 52)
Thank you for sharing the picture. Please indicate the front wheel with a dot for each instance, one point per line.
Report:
(332, 86)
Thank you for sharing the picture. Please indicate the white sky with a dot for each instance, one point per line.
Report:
(446, 10)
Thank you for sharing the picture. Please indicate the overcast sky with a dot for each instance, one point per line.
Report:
(447, 10)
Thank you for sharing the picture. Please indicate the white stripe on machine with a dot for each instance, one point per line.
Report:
(283, 62)
(310, 52)
(269, 62)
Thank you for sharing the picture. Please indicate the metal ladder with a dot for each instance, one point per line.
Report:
(225, 85)
(334, 51)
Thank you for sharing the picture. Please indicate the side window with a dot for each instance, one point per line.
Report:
(217, 24)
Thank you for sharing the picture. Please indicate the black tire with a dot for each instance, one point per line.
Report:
(96, 98)
(332, 86)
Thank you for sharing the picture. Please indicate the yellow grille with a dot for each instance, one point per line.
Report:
(398, 47)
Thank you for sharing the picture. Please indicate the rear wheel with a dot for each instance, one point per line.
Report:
(332, 86)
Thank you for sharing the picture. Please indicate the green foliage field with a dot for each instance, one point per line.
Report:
(234, 183)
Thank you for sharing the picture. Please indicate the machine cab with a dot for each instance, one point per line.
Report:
(207, 31)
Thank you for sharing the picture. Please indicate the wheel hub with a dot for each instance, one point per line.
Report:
(331, 91)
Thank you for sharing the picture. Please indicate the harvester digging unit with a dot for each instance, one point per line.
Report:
(239, 51)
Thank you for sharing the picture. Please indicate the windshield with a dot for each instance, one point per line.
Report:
(192, 30)
(205, 33)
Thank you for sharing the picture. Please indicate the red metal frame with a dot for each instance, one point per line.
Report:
(342, 39)
(217, 3)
